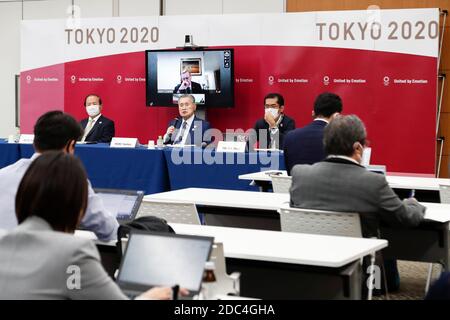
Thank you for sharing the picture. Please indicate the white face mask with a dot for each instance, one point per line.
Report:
(273, 111)
(93, 110)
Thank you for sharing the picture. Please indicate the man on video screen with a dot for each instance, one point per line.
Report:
(186, 85)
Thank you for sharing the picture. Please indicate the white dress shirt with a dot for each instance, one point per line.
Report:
(93, 121)
(97, 219)
(186, 132)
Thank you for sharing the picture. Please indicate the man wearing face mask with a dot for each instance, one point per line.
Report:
(97, 128)
(341, 183)
(270, 130)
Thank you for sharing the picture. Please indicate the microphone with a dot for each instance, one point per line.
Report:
(169, 135)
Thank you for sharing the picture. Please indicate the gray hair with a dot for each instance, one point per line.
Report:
(341, 133)
(186, 95)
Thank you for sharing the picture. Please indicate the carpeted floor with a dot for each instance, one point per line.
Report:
(413, 277)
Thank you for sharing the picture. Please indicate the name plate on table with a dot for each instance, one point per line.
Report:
(26, 138)
(123, 142)
(231, 146)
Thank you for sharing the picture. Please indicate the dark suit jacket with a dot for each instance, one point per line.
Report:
(196, 88)
(103, 130)
(341, 185)
(304, 145)
(196, 131)
(286, 125)
(440, 290)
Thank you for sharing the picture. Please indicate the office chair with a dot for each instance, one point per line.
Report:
(344, 224)
(444, 195)
(172, 212)
(281, 184)
(225, 283)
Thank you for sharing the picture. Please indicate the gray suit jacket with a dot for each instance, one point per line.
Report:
(39, 263)
(341, 185)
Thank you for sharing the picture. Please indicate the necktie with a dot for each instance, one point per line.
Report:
(183, 129)
(88, 128)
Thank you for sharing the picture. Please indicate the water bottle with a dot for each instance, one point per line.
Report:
(209, 281)
(17, 135)
(159, 142)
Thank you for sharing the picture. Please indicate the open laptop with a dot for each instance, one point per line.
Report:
(163, 259)
(124, 204)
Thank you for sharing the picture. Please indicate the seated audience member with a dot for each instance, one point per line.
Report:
(341, 183)
(304, 145)
(186, 84)
(54, 130)
(187, 129)
(271, 130)
(97, 128)
(440, 289)
(43, 256)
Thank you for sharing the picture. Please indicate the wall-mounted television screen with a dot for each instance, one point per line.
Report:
(207, 74)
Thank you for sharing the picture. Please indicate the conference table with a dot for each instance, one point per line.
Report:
(396, 182)
(283, 265)
(207, 168)
(159, 169)
(9, 153)
(429, 242)
(424, 187)
(231, 208)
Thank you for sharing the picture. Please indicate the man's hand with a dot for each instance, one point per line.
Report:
(184, 85)
(268, 117)
(161, 293)
(170, 130)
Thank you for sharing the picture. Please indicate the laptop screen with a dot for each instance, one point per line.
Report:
(124, 204)
(164, 259)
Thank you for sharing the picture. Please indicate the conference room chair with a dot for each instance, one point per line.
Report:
(225, 283)
(281, 184)
(172, 212)
(333, 223)
(444, 195)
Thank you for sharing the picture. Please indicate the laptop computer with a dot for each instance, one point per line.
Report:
(155, 259)
(124, 204)
(381, 169)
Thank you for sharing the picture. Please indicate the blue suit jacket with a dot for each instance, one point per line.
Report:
(198, 126)
(304, 145)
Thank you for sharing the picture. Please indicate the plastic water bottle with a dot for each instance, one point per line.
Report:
(159, 142)
(17, 135)
(209, 281)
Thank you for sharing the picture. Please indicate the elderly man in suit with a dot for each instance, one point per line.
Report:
(97, 128)
(304, 145)
(187, 85)
(187, 129)
(341, 183)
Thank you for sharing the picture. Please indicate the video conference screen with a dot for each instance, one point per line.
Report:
(206, 74)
